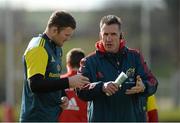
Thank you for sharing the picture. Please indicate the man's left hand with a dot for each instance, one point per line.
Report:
(138, 88)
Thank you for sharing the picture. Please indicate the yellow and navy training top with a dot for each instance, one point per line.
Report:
(43, 57)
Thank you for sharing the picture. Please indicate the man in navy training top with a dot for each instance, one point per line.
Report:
(43, 97)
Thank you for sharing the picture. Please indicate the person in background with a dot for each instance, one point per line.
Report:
(43, 97)
(107, 101)
(152, 110)
(77, 108)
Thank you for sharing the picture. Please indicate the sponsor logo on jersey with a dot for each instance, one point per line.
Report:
(72, 105)
(54, 75)
(52, 59)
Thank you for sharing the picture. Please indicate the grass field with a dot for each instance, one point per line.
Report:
(172, 115)
(168, 115)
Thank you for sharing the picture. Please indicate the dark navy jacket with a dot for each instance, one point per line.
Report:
(102, 67)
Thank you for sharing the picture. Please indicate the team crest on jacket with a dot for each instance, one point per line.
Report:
(130, 72)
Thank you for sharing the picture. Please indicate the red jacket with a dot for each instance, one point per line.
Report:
(77, 108)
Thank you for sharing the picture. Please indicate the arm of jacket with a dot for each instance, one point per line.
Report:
(148, 78)
(94, 89)
(91, 91)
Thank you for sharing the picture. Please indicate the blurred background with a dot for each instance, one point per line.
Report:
(152, 26)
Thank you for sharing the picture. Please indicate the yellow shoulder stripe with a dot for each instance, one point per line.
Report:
(42, 42)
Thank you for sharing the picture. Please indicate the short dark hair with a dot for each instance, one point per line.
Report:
(74, 57)
(111, 19)
(61, 19)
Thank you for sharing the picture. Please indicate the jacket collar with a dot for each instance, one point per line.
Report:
(100, 48)
(99, 45)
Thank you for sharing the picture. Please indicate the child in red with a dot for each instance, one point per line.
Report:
(77, 108)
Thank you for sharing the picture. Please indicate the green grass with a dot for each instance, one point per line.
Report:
(171, 115)
(1, 113)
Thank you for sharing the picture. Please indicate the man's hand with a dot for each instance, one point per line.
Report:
(64, 102)
(110, 88)
(78, 81)
(138, 88)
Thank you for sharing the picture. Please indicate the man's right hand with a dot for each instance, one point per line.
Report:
(78, 81)
(110, 88)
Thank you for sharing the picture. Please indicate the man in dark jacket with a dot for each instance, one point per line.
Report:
(108, 101)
